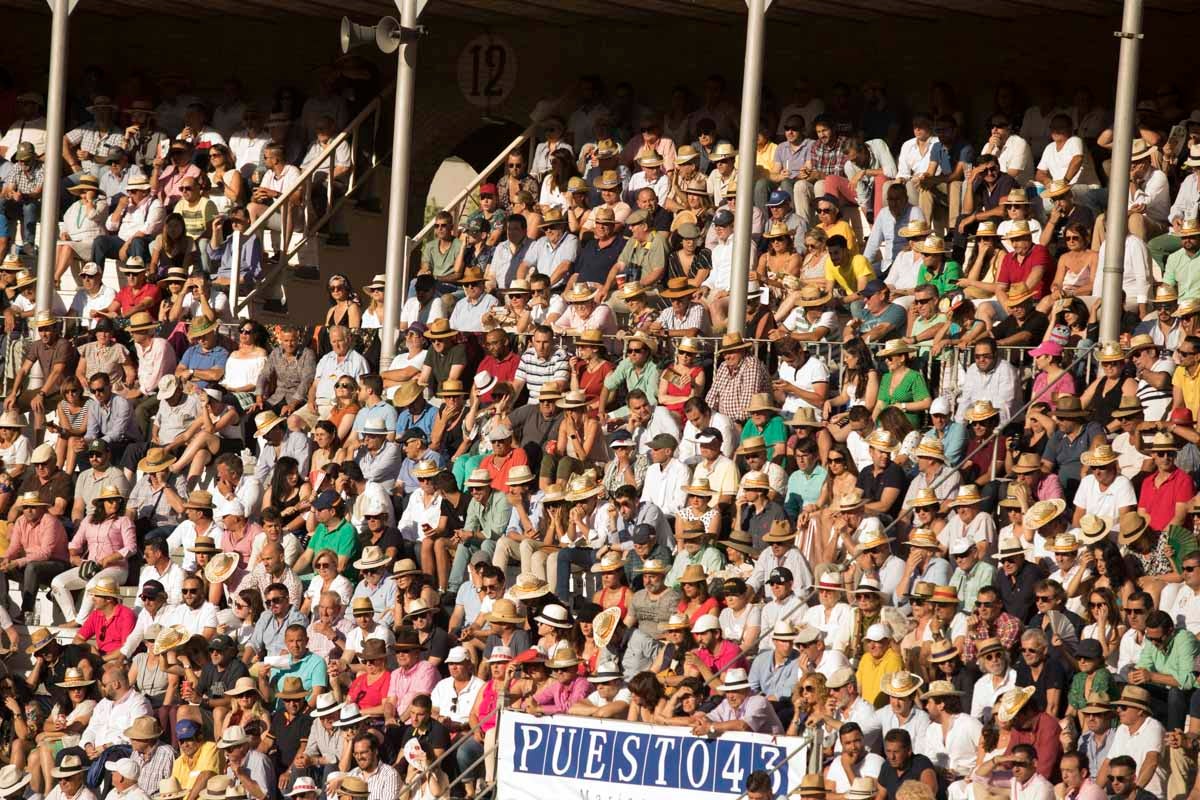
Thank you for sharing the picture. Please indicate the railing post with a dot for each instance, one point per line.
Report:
(408, 246)
(56, 98)
(406, 65)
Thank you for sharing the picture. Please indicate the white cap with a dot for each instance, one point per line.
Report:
(373, 505)
(878, 632)
(940, 405)
(215, 394)
(840, 677)
(125, 767)
(961, 546)
(458, 655)
(233, 508)
(41, 454)
(706, 623)
(167, 386)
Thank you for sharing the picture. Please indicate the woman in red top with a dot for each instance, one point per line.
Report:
(590, 368)
(696, 602)
(370, 686)
(683, 379)
(614, 591)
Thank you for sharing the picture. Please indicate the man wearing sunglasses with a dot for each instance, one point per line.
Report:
(989, 186)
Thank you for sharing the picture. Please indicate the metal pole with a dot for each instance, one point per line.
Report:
(51, 191)
(398, 196)
(235, 273)
(1116, 217)
(747, 144)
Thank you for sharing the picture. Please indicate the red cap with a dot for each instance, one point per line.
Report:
(488, 188)
(1182, 416)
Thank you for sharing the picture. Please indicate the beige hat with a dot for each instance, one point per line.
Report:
(1043, 512)
(221, 567)
(900, 683)
(1012, 701)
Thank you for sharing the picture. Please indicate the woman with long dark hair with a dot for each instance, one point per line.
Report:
(285, 492)
(555, 186)
(860, 379)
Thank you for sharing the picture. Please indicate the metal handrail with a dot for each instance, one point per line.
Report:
(304, 184)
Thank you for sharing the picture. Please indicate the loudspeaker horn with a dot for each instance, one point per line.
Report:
(354, 35)
(387, 34)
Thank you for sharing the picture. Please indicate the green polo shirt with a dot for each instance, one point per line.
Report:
(1178, 661)
(491, 520)
(625, 375)
(968, 584)
(341, 540)
(1183, 272)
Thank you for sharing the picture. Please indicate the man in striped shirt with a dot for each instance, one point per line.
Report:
(541, 363)
(383, 782)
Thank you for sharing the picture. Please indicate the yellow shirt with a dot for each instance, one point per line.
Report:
(871, 672)
(207, 759)
(1190, 388)
(847, 276)
(842, 228)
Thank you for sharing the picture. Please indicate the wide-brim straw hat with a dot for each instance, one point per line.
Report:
(157, 459)
(944, 595)
(693, 573)
(169, 639)
(924, 498)
(762, 401)
(943, 651)
(581, 487)
(931, 448)
(1097, 704)
(73, 679)
(932, 245)
(221, 567)
(917, 229)
(372, 558)
(851, 500)
(653, 566)
(940, 689)
(1132, 526)
(105, 587)
(579, 293)
(733, 341)
(243, 685)
(529, 587)
(1056, 188)
(968, 495)
(87, 183)
(201, 326)
(882, 439)
(564, 658)
(611, 562)
(740, 541)
(1019, 229)
(1092, 529)
(780, 532)
(1099, 456)
(1064, 543)
(1043, 512)
(1011, 702)
(678, 287)
(900, 683)
(895, 347)
(572, 399)
(604, 625)
(265, 421)
(980, 410)
(69, 765)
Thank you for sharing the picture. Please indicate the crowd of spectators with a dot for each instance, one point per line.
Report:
(915, 510)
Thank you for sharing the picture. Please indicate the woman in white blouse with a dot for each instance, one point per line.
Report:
(831, 616)
(740, 619)
(244, 370)
(326, 578)
(81, 224)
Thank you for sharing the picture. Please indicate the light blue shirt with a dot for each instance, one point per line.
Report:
(310, 669)
(880, 250)
(803, 489)
(382, 410)
(772, 681)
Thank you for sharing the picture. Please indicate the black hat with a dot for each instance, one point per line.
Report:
(414, 433)
(780, 575)
(222, 643)
(152, 590)
(407, 639)
(1089, 648)
(723, 218)
(98, 446)
(643, 533)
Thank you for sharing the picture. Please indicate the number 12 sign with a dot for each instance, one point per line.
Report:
(487, 70)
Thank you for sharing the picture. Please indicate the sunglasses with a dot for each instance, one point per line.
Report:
(325, 565)
(1034, 650)
(1099, 605)
(345, 386)
(273, 600)
(1041, 598)
(189, 591)
(824, 210)
(1135, 611)
(1073, 238)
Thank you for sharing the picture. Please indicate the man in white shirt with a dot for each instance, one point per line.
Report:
(1010, 150)
(195, 613)
(159, 567)
(700, 416)
(125, 773)
(803, 380)
(919, 163)
(339, 361)
(277, 180)
(1139, 736)
(1136, 608)
(454, 697)
(1136, 276)
(30, 126)
(989, 378)
(650, 177)
(952, 738)
(152, 598)
(901, 689)
(1063, 158)
(1103, 491)
(1027, 784)
(1186, 608)
(135, 221)
(114, 714)
(248, 143)
(1149, 198)
(665, 477)
(851, 707)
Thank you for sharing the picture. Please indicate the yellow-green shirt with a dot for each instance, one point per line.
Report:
(207, 759)
(847, 276)
(1190, 388)
(871, 672)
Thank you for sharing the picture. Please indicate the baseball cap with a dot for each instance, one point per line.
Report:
(221, 642)
(1181, 416)
(326, 499)
(98, 446)
(115, 155)
(710, 436)
(706, 623)
(1047, 349)
(42, 454)
(620, 438)
(643, 533)
(840, 678)
(723, 218)
(1088, 648)
(90, 268)
(125, 767)
(807, 634)
(961, 546)
(186, 729)
(664, 440)
(780, 575)
(417, 433)
(487, 188)
(940, 405)
(474, 227)
(152, 590)
(458, 655)
(878, 633)
(777, 198)
(872, 287)
(167, 387)
(500, 433)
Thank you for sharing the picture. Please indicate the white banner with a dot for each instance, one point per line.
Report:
(578, 758)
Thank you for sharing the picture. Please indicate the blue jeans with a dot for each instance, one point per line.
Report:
(31, 212)
(462, 560)
(567, 557)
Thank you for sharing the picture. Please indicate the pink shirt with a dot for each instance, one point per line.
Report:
(558, 697)
(420, 678)
(155, 361)
(169, 180)
(727, 652)
(1088, 790)
(103, 539)
(46, 541)
(664, 147)
(110, 633)
(242, 546)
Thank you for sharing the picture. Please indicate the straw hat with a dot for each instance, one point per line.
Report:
(1028, 462)
(43, 319)
(12, 419)
(529, 587)
(699, 487)
(1019, 229)
(1187, 308)
(872, 538)
(581, 487)
(73, 679)
(762, 401)
(202, 500)
(69, 764)
(922, 590)
(403, 567)
(201, 326)
(734, 680)
(157, 459)
(780, 532)
(264, 421)
(1099, 456)
(1130, 406)
(778, 229)
(941, 689)
(811, 786)
(690, 344)
(895, 347)
(1063, 543)
(353, 786)
(732, 342)
(169, 789)
(572, 399)
(676, 622)
(372, 557)
(923, 538)
(900, 683)
(1012, 701)
(327, 705)
(31, 500)
(579, 293)
(1093, 529)
(812, 296)
(475, 274)
(654, 567)
(1141, 150)
(478, 478)
(752, 444)
(968, 495)
(1110, 352)
(243, 685)
(604, 625)
(1131, 526)
(677, 287)
(924, 498)
(292, 689)
(221, 567)
(1010, 547)
(722, 152)
(884, 440)
(851, 500)
(931, 448)
(169, 639)
(1016, 197)
(741, 541)
(25, 278)
(609, 179)
(440, 329)
(39, 638)
(144, 729)
(917, 229)
(1043, 512)
(943, 650)
(804, 417)
(944, 595)
(980, 410)
(505, 611)
(932, 245)
(610, 562)
(867, 585)
(1056, 188)
(1097, 704)
(1163, 442)
(565, 658)
(693, 573)
(105, 587)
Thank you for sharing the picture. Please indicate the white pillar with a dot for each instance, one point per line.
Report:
(56, 93)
